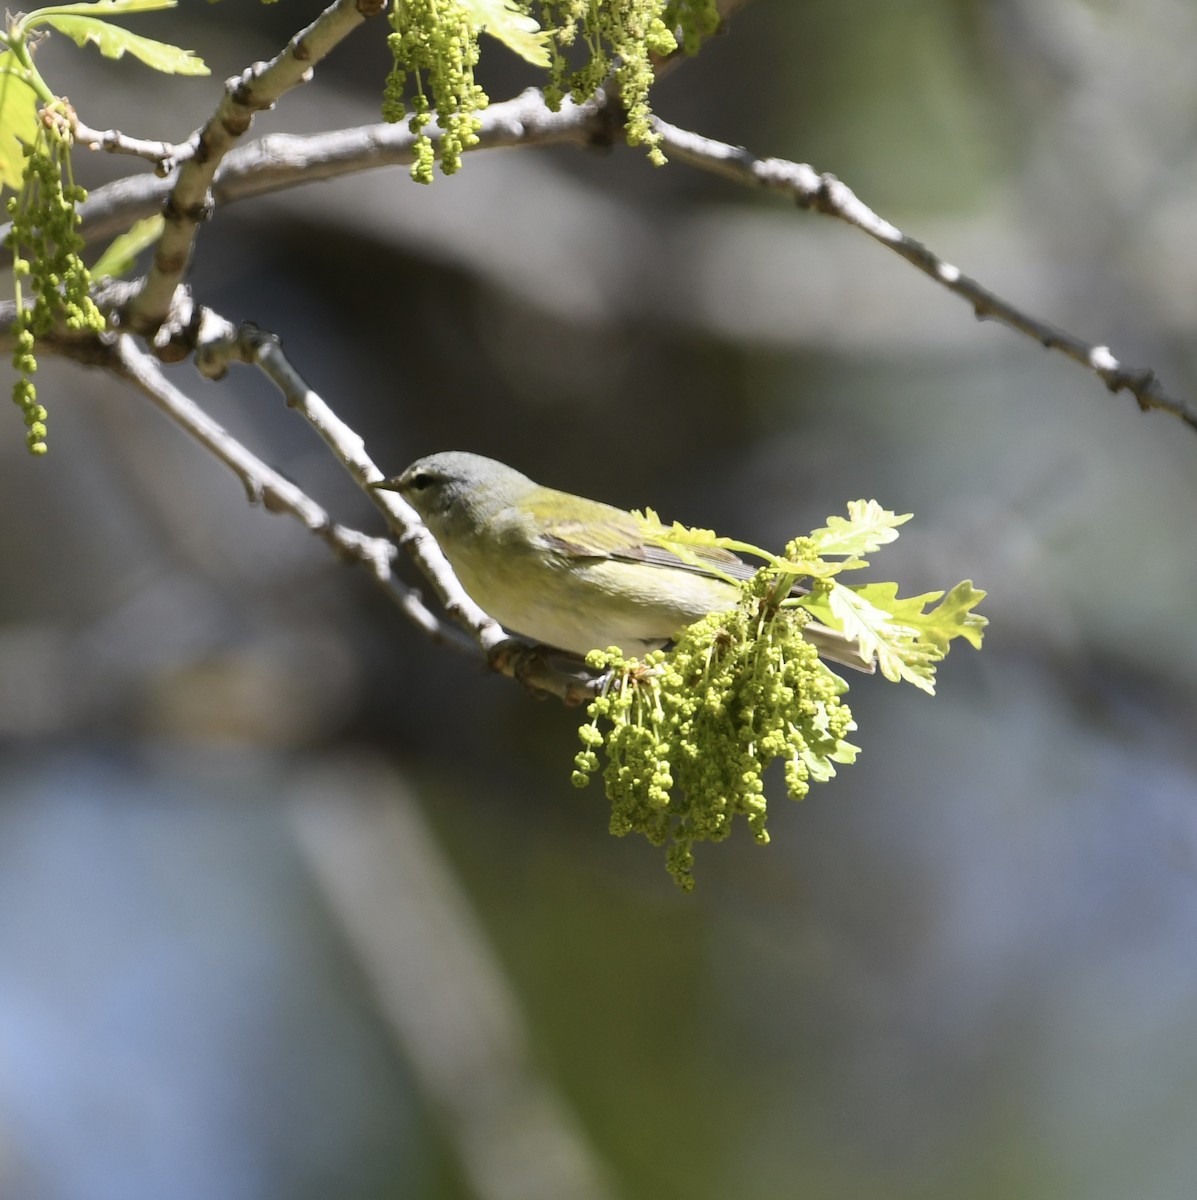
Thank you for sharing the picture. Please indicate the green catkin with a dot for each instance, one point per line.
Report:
(434, 46)
(688, 734)
(51, 285)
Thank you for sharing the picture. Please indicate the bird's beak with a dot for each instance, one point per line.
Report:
(385, 485)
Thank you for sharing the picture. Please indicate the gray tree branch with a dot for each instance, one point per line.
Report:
(189, 201)
(468, 626)
(263, 485)
(826, 194)
(283, 161)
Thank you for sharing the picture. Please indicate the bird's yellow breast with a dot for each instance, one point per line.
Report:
(582, 604)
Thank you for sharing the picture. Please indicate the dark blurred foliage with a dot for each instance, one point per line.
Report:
(964, 968)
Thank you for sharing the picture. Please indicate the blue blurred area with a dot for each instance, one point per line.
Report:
(176, 1017)
(963, 968)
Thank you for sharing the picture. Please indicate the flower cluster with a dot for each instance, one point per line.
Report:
(690, 732)
(435, 46)
(586, 45)
(621, 39)
(45, 243)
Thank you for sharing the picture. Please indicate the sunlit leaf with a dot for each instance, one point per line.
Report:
(907, 635)
(866, 529)
(118, 258)
(951, 618)
(94, 8)
(901, 652)
(504, 20)
(115, 42)
(18, 122)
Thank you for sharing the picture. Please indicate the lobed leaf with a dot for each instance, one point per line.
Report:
(509, 24)
(951, 618)
(901, 652)
(115, 42)
(867, 528)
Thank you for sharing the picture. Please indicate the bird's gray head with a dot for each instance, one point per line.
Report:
(456, 488)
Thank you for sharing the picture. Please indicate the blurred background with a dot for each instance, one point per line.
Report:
(293, 904)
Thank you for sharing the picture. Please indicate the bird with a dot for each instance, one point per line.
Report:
(571, 573)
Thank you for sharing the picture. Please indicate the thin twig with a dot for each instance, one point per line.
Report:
(826, 194)
(115, 142)
(281, 160)
(266, 486)
(258, 348)
(468, 627)
(510, 656)
(190, 201)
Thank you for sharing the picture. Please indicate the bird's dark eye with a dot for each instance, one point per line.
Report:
(420, 480)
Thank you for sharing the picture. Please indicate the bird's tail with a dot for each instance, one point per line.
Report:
(838, 648)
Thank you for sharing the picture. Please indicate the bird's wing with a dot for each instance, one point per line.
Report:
(616, 535)
(619, 537)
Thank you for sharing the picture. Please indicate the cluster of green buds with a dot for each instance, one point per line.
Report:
(50, 282)
(585, 45)
(434, 45)
(622, 41)
(689, 733)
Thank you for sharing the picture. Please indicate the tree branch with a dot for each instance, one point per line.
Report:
(222, 344)
(190, 201)
(283, 161)
(826, 194)
(114, 142)
(255, 347)
(263, 485)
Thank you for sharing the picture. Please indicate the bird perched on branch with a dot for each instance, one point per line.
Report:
(572, 573)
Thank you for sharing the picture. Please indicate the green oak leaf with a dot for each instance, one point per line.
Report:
(951, 618)
(118, 258)
(867, 528)
(900, 650)
(506, 21)
(115, 42)
(18, 122)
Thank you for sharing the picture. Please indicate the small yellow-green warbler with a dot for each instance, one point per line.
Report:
(569, 572)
